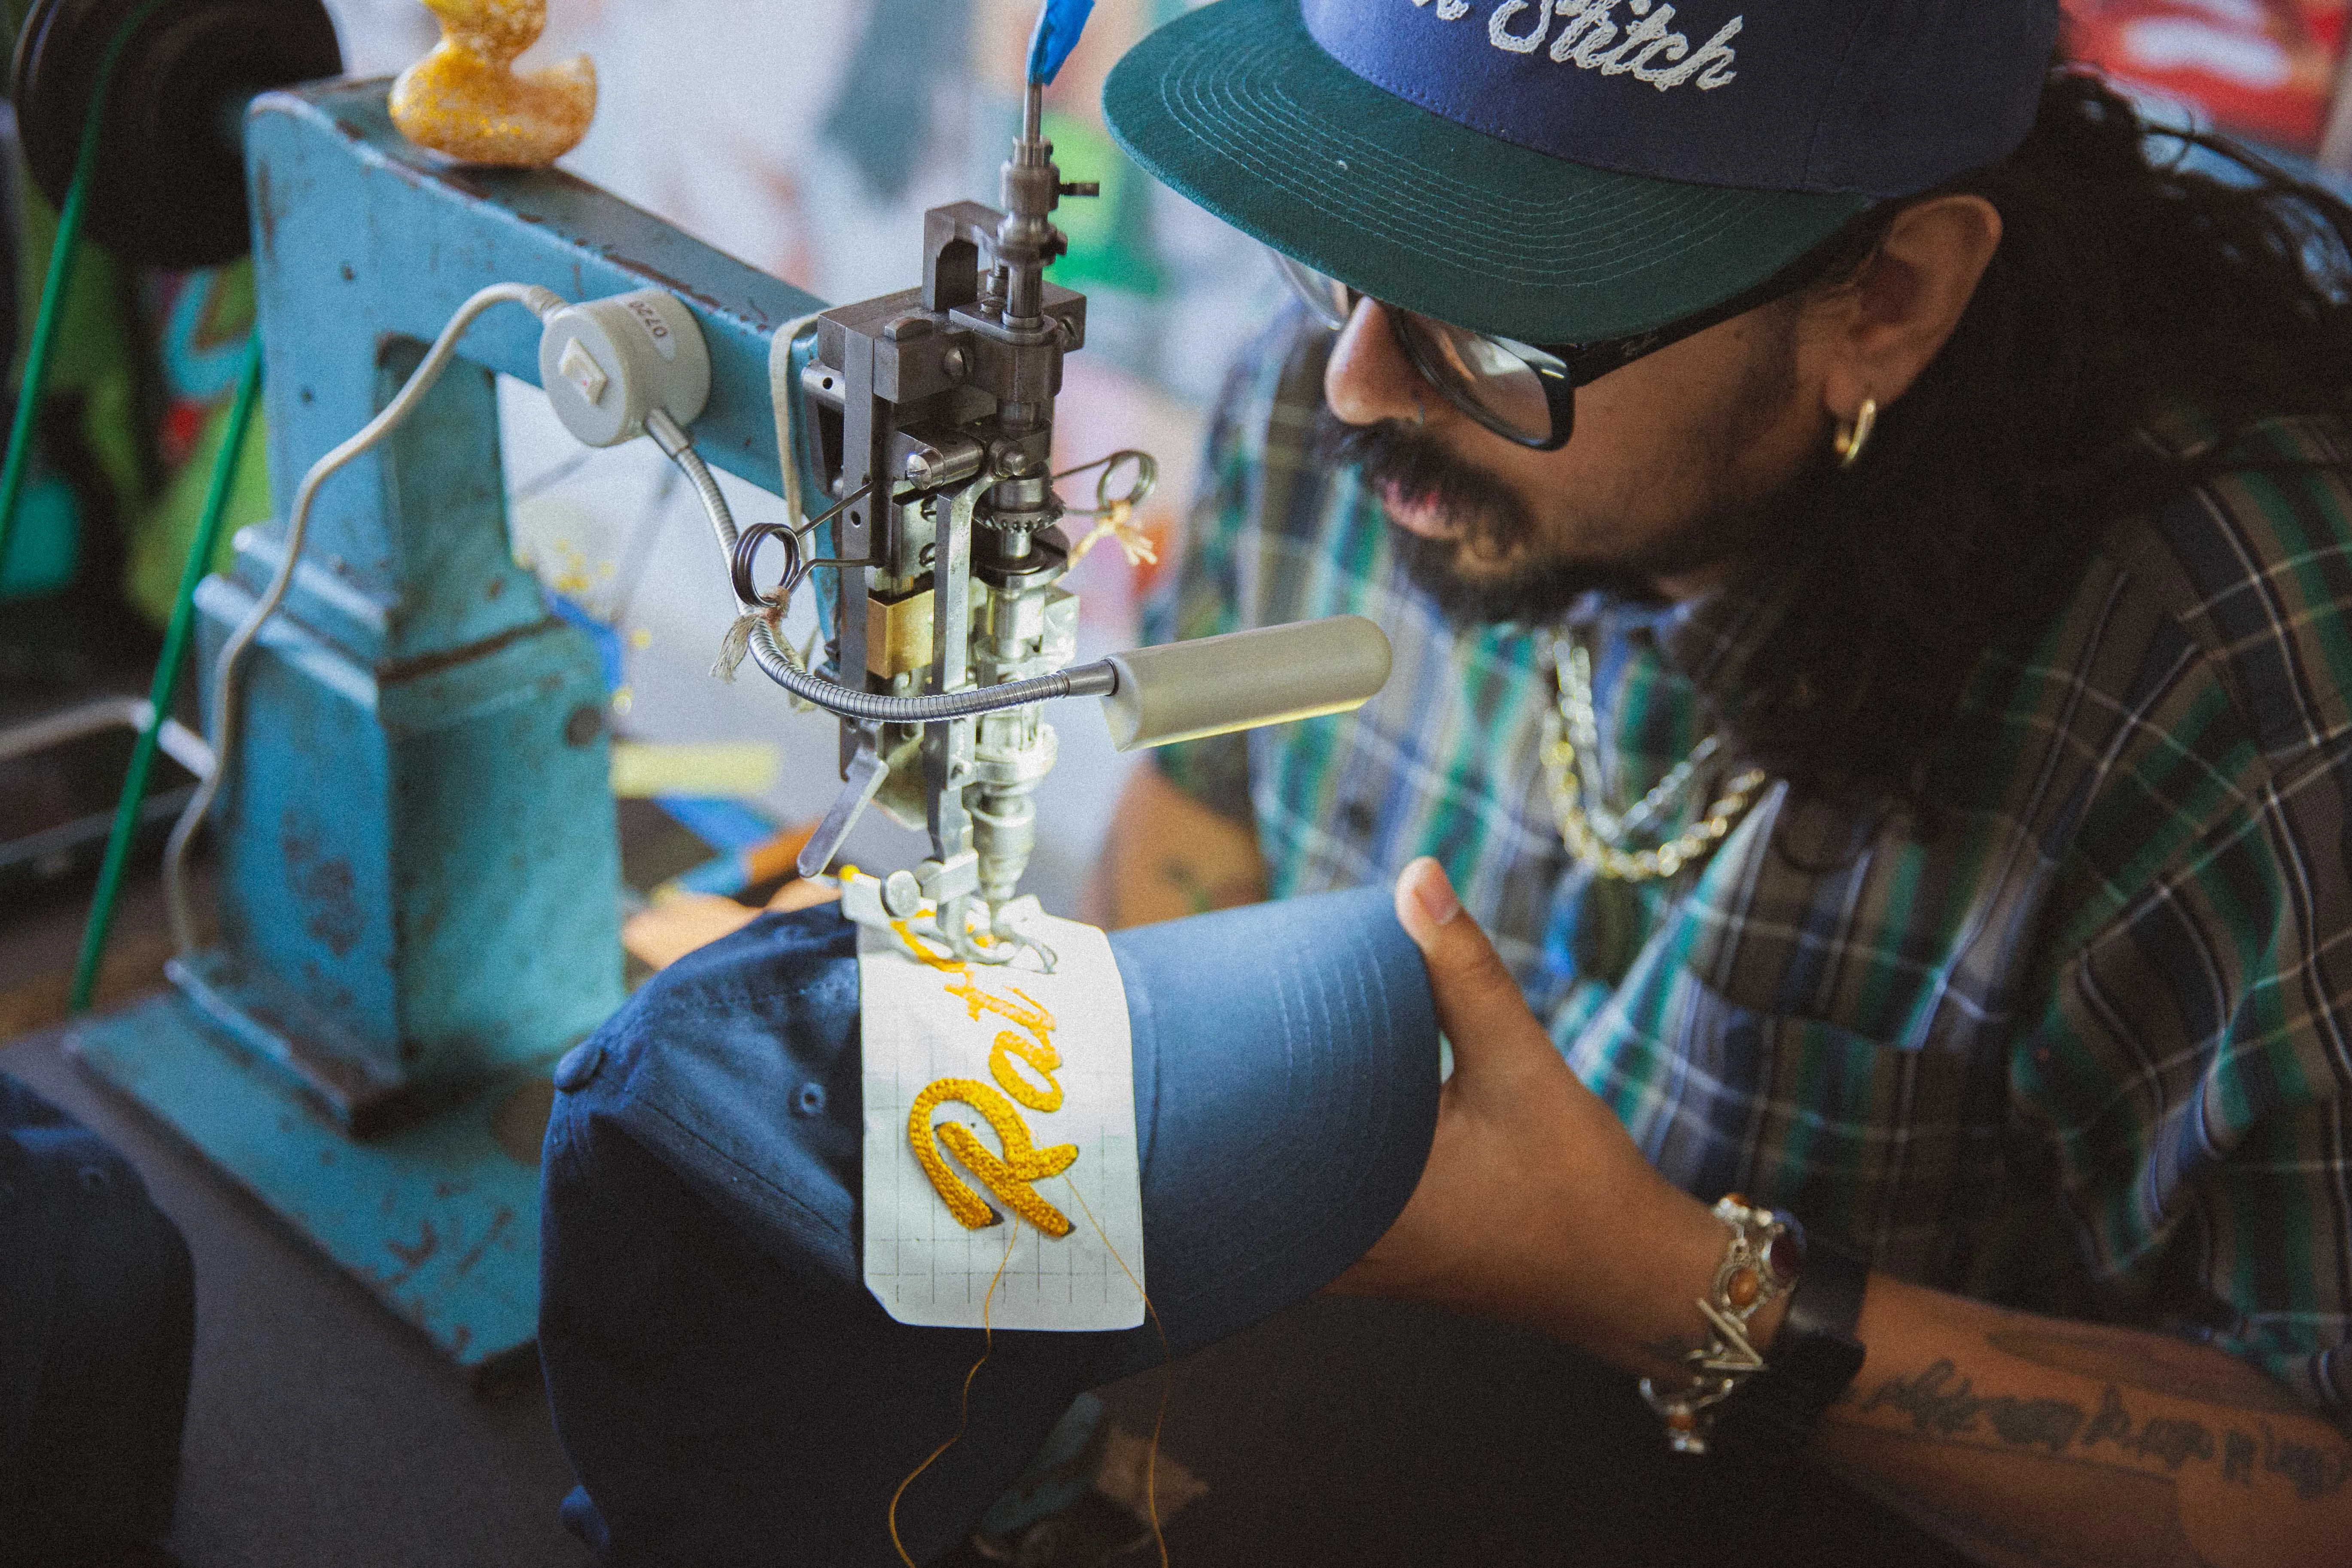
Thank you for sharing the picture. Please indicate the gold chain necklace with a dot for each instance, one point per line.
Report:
(1571, 749)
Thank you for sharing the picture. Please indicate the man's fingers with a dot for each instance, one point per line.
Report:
(1479, 1006)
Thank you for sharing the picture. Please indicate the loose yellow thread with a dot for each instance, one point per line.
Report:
(1118, 526)
(947, 964)
(1008, 1177)
(963, 1415)
(1167, 1372)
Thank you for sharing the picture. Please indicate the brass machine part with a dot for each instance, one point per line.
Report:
(897, 635)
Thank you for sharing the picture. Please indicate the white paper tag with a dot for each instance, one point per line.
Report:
(1018, 1071)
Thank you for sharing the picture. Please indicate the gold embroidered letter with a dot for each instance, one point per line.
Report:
(1008, 1177)
(1039, 1054)
(1026, 1013)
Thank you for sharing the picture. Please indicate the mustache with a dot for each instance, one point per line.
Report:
(1489, 519)
(1491, 524)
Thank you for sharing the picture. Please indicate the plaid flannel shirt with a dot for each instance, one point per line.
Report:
(2086, 1051)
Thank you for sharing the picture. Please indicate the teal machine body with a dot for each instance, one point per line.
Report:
(419, 876)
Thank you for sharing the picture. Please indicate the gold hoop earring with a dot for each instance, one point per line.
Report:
(1851, 438)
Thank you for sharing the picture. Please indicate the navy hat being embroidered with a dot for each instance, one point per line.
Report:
(1570, 171)
(728, 1392)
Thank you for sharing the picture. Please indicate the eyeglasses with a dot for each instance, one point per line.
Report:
(1526, 392)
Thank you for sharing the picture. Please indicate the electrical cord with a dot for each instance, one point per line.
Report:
(678, 447)
(226, 695)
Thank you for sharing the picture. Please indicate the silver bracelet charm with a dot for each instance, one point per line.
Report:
(1760, 1265)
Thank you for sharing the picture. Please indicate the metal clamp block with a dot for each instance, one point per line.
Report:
(941, 881)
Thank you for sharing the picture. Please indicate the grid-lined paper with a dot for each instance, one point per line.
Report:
(921, 1262)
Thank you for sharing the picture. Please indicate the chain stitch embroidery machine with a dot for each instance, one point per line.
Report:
(415, 829)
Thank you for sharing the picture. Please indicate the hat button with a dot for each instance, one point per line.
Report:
(578, 1066)
(810, 1101)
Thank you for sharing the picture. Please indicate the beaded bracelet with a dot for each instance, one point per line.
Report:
(1760, 1265)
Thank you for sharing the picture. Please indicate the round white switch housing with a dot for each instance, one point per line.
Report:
(608, 364)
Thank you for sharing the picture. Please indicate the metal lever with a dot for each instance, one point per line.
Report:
(866, 771)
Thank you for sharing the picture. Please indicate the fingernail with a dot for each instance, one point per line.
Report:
(1432, 891)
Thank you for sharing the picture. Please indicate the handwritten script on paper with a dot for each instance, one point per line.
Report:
(996, 1094)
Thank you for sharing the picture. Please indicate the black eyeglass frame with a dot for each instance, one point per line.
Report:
(1561, 368)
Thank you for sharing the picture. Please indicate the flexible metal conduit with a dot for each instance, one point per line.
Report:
(1087, 680)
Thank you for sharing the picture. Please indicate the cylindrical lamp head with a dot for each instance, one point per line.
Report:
(1210, 686)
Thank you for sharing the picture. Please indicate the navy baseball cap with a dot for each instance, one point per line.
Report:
(1571, 171)
(725, 1387)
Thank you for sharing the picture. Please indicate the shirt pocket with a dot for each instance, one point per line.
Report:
(1892, 1150)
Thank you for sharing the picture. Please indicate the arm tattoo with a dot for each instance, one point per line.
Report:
(2109, 1470)
(1942, 1402)
(2313, 1472)
(1940, 1407)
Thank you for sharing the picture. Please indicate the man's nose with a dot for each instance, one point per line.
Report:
(1368, 378)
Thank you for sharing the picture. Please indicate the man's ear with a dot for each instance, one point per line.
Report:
(1877, 334)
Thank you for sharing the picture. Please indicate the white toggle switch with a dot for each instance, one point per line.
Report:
(579, 368)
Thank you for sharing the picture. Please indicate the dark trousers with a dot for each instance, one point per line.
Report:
(97, 1328)
(1378, 1436)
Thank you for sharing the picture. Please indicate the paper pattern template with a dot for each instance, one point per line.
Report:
(1023, 1074)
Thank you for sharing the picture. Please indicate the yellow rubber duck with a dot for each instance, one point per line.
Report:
(466, 100)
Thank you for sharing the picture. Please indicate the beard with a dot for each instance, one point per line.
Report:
(1493, 525)
(1495, 567)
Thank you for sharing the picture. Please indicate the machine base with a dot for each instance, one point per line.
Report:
(438, 1219)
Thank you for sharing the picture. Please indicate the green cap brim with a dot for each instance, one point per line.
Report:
(1237, 108)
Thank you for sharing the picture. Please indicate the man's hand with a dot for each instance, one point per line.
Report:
(2023, 1440)
(1536, 1206)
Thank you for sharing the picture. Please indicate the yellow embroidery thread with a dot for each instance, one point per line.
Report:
(1026, 1013)
(1022, 1161)
(1008, 1177)
(1167, 1371)
(937, 961)
(963, 1410)
(1039, 1054)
